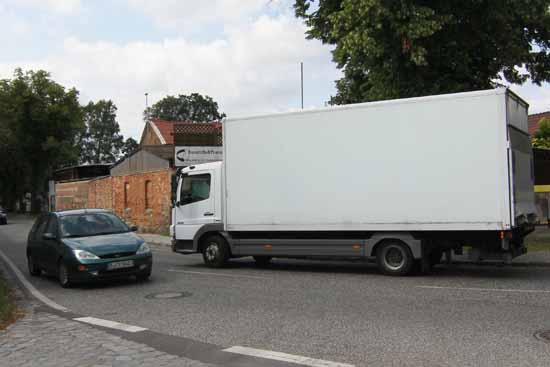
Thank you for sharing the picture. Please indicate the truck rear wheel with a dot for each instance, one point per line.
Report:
(394, 258)
(215, 251)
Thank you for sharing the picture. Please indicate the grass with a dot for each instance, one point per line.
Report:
(7, 307)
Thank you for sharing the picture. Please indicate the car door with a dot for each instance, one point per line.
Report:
(50, 246)
(35, 241)
(196, 204)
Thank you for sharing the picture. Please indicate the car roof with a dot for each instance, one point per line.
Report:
(63, 213)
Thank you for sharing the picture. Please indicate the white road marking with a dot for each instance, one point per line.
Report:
(284, 357)
(484, 289)
(110, 324)
(32, 290)
(216, 274)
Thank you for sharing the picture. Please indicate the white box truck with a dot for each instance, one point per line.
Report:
(400, 182)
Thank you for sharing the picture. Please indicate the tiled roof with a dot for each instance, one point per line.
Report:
(534, 119)
(167, 128)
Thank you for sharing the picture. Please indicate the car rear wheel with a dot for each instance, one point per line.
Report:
(63, 275)
(34, 270)
(394, 258)
(215, 251)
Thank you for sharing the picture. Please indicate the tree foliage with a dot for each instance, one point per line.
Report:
(394, 49)
(130, 146)
(101, 141)
(39, 120)
(194, 107)
(542, 136)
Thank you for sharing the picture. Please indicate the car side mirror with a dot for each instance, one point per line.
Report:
(49, 236)
(133, 228)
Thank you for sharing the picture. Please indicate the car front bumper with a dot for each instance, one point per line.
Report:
(97, 269)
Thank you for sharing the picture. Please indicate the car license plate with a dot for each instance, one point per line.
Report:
(120, 265)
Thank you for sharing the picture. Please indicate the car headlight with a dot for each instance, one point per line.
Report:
(143, 249)
(84, 255)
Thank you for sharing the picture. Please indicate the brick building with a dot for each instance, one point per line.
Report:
(139, 188)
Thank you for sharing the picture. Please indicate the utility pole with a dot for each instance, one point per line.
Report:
(302, 82)
(147, 106)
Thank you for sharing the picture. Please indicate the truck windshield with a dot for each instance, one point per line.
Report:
(195, 188)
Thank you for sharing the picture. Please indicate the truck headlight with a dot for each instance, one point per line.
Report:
(84, 255)
(143, 249)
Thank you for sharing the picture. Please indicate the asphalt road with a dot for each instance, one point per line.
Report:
(344, 312)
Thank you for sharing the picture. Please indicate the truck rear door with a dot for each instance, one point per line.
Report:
(522, 175)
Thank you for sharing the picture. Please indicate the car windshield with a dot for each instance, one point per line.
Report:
(91, 224)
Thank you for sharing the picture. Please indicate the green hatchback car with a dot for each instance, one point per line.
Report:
(86, 245)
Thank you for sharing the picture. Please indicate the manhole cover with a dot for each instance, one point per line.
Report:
(168, 295)
(404, 360)
(543, 336)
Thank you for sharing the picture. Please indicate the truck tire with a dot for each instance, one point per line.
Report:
(394, 258)
(262, 261)
(215, 251)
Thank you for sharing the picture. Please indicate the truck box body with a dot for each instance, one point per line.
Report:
(457, 162)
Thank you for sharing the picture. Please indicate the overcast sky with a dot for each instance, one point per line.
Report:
(243, 53)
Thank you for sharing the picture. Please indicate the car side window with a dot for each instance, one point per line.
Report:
(52, 225)
(40, 227)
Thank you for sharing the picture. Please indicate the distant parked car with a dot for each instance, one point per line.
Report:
(3, 216)
(86, 245)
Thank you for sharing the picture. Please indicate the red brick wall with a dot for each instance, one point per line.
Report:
(108, 193)
(156, 218)
(100, 193)
(71, 195)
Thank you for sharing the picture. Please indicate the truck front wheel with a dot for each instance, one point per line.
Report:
(215, 251)
(394, 258)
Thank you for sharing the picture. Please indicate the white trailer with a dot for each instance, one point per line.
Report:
(398, 181)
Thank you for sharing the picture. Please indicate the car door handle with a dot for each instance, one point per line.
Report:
(208, 214)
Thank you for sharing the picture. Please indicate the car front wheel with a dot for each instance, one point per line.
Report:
(34, 270)
(63, 275)
(143, 277)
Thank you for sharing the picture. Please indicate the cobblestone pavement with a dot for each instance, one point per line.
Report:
(42, 339)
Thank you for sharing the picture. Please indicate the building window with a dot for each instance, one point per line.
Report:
(148, 193)
(126, 190)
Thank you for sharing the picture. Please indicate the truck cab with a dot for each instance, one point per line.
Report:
(198, 205)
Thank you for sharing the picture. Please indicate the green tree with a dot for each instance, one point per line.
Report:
(130, 146)
(542, 136)
(102, 141)
(394, 49)
(39, 120)
(194, 107)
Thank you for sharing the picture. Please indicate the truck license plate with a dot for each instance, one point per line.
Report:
(120, 265)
